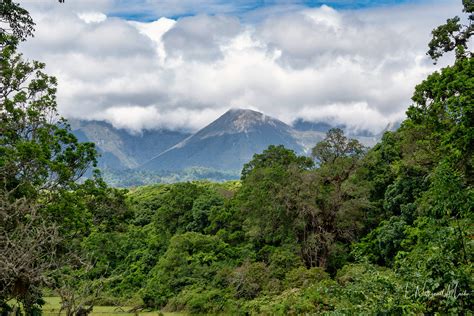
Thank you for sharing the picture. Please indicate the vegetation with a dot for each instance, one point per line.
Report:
(133, 178)
(44, 211)
(348, 231)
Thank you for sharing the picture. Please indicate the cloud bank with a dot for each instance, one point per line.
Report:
(353, 67)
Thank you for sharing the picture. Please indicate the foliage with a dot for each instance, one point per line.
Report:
(39, 161)
(354, 231)
(133, 178)
(275, 156)
(453, 35)
(44, 210)
(191, 258)
(15, 24)
(336, 146)
(437, 263)
(444, 108)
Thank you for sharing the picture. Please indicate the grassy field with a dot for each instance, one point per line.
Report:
(53, 305)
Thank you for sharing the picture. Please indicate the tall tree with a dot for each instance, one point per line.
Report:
(40, 162)
(15, 23)
(335, 146)
(453, 35)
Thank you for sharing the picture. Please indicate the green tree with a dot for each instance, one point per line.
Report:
(191, 259)
(175, 212)
(16, 24)
(444, 110)
(453, 35)
(335, 145)
(266, 215)
(40, 163)
(275, 156)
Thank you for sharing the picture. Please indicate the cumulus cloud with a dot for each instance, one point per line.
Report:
(92, 17)
(353, 67)
(136, 118)
(200, 38)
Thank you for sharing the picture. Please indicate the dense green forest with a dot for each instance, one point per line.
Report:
(349, 230)
(131, 178)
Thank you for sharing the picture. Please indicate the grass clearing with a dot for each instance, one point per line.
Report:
(53, 304)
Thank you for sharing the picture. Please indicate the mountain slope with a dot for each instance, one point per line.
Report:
(121, 150)
(224, 145)
(227, 143)
(310, 133)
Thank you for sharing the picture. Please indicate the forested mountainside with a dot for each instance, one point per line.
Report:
(346, 230)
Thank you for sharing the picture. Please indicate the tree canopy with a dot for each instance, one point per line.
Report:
(453, 35)
(352, 230)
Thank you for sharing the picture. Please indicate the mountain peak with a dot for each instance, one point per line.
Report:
(238, 120)
(241, 111)
(227, 143)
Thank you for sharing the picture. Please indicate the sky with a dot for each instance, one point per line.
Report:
(179, 64)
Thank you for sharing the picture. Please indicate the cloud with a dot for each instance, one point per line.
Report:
(200, 38)
(136, 118)
(92, 17)
(353, 67)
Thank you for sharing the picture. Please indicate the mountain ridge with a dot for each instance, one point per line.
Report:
(120, 149)
(225, 144)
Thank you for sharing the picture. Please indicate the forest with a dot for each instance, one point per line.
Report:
(349, 230)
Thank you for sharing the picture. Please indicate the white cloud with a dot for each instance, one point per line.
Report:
(92, 17)
(136, 118)
(155, 31)
(357, 68)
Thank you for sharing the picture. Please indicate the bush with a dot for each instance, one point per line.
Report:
(197, 299)
(191, 258)
(249, 279)
(302, 277)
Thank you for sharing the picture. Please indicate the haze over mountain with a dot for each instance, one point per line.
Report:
(120, 149)
(224, 145)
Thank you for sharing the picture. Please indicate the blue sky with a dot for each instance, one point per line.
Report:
(148, 10)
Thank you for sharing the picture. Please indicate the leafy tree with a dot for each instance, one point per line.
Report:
(15, 24)
(184, 207)
(335, 145)
(191, 259)
(374, 174)
(266, 213)
(201, 210)
(39, 153)
(453, 35)
(283, 202)
(444, 110)
(43, 208)
(275, 156)
(339, 200)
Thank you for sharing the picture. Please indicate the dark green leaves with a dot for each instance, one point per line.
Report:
(453, 35)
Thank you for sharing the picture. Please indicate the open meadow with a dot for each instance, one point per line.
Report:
(53, 305)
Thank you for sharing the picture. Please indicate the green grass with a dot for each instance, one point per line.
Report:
(53, 304)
